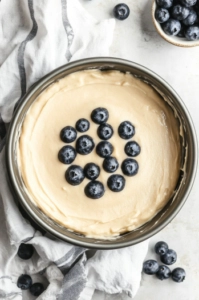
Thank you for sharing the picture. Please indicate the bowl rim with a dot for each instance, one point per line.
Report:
(171, 39)
(9, 164)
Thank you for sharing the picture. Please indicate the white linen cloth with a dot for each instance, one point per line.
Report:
(35, 38)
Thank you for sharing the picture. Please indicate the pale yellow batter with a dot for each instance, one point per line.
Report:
(126, 98)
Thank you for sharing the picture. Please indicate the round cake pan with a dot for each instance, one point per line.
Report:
(188, 154)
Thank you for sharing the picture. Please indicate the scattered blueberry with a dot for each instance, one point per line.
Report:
(192, 33)
(150, 267)
(162, 15)
(171, 27)
(121, 11)
(84, 145)
(104, 149)
(169, 257)
(110, 164)
(25, 251)
(161, 248)
(91, 171)
(164, 3)
(188, 3)
(94, 190)
(68, 134)
(163, 273)
(99, 115)
(180, 12)
(178, 275)
(130, 167)
(36, 289)
(105, 131)
(24, 282)
(191, 19)
(74, 175)
(116, 183)
(67, 155)
(82, 125)
(126, 130)
(132, 149)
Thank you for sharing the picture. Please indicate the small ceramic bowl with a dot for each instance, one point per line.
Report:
(175, 40)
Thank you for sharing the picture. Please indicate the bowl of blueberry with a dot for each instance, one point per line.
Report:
(177, 21)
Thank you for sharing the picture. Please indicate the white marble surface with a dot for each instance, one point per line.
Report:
(136, 39)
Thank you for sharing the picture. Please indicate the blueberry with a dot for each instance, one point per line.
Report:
(162, 15)
(192, 33)
(67, 155)
(164, 3)
(169, 257)
(130, 167)
(163, 273)
(132, 149)
(188, 3)
(68, 134)
(161, 248)
(171, 27)
(24, 282)
(99, 115)
(180, 12)
(104, 149)
(74, 175)
(25, 251)
(182, 31)
(191, 19)
(94, 190)
(37, 289)
(126, 130)
(178, 275)
(91, 171)
(121, 11)
(85, 145)
(82, 125)
(105, 131)
(110, 164)
(116, 183)
(150, 267)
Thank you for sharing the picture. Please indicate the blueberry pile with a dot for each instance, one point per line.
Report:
(167, 257)
(24, 281)
(179, 18)
(85, 144)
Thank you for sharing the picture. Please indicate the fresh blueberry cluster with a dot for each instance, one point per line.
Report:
(84, 145)
(179, 18)
(168, 257)
(24, 281)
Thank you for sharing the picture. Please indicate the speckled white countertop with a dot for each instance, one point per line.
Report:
(136, 39)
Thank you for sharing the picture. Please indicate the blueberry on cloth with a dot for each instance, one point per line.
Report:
(67, 155)
(116, 183)
(24, 282)
(188, 3)
(162, 15)
(74, 175)
(163, 273)
(121, 11)
(110, 164)
(104, 149)
(91, 171)
(171, 27)
(126, 130)
(130, 167)
(161, 248)
(94, 190)
(82, 125)
(84, 145)
(169, 257)
(25, 251)
(178, 275)
(180, 12)
(105, 131)
(164, 3)
(150, 267)
(132, 149)
(99, 115)
(191, 19)
(192, 33)
(68, 134)
(37, 289)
